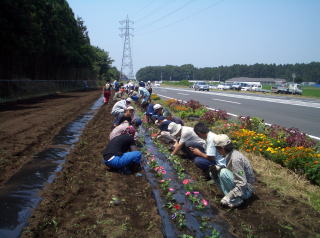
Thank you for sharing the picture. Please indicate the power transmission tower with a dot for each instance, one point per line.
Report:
(126, 66)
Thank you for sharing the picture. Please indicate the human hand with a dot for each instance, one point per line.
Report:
(195, 151)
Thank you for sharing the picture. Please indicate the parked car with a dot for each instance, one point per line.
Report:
(201, 86)
(223, 86)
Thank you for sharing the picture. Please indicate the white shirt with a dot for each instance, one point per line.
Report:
(211, 150)
(188, 134)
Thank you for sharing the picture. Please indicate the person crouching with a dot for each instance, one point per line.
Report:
(121, 153)
(236, 180)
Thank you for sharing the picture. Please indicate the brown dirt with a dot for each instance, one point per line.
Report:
(80, 202)
(28, 126)
(267, 214)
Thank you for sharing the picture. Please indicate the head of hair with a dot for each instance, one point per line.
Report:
(201, 128)
(228, 148)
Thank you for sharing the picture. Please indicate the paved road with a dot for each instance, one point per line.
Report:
(286, 111)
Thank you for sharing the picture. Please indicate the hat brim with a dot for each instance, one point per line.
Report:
(177, 131)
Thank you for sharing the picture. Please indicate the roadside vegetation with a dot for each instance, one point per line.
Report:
(287, 147)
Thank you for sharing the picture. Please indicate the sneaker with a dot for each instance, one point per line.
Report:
(232, 203)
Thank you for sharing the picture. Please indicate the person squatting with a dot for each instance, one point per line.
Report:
(214, 154)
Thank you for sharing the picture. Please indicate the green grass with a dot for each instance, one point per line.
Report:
(311, 91)
(266, 87)
(180, 83)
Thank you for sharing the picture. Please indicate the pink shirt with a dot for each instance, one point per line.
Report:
(117, 131)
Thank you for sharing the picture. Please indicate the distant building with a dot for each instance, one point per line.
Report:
(261, 80)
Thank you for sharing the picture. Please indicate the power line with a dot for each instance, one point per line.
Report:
(156, 10)
(184, 18)
(168, 14)
(149, 3)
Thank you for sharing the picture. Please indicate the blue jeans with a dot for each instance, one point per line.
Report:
(203, 163)
(126, 159)
(225, 182)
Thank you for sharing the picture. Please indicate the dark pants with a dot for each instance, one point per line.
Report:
(188, 152)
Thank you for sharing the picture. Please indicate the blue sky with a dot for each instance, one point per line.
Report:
(206, 33)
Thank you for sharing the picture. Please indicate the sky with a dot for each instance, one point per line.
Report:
(205, 33)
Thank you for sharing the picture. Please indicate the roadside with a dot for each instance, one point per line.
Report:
(27, 127)
(86, 200)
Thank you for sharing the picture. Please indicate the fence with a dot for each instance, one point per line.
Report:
(12, 90)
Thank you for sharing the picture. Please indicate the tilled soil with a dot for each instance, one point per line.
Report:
(28, 126)
(86, 200)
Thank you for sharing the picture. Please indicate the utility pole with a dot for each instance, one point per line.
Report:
(126, 66)
(161, 76)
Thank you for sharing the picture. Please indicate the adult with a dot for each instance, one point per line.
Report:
(186, 138)
(174, 119)
(149, 87)
(126, 116)
(116, 85)
(209, 157)
(120, 106)
(144, 94)
(106, 91)
(236, 180)
(157, 112)
(163, 133)
(121, 154)
(119, 130)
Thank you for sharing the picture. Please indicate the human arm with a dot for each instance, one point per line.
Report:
(198, 152)
(177, 146)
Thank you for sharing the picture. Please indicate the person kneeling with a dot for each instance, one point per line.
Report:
(236, 180)
(121, 154)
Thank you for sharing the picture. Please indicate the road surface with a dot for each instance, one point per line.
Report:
(286, 111)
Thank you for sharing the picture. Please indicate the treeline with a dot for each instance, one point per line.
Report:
(43, 40)
(303, 72)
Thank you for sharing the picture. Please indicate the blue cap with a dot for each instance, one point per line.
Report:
(161, 118)
(142, 84)
(137, 121)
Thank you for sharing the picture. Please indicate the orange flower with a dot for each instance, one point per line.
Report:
(316, 162)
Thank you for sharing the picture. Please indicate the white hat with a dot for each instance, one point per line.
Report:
(129, 100)
(130, 108)
(174, 128)
(222, 140)
(157, 106)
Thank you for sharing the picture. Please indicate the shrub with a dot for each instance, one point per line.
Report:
(194, 104)
(155, 97)
(212, 116)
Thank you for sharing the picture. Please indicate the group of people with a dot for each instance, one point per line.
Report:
(213, 153)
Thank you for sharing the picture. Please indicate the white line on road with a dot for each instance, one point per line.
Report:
(234, 115)
(226, 101)
(256, 98)
(183, 94)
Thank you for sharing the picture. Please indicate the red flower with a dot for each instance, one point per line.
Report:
(185, 181)
(177, 206)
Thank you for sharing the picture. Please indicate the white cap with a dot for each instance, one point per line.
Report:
(130, 108)
(129, 100)
(174, 128)
(221, 140)
(157, 106)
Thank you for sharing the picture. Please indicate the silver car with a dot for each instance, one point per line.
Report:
(201, 86)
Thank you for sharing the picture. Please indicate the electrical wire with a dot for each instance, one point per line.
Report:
(156, 10)
(166, 15)
(149, 3)
(184, 18)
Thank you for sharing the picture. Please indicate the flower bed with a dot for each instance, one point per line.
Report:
(174, 183)
(286, 146)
